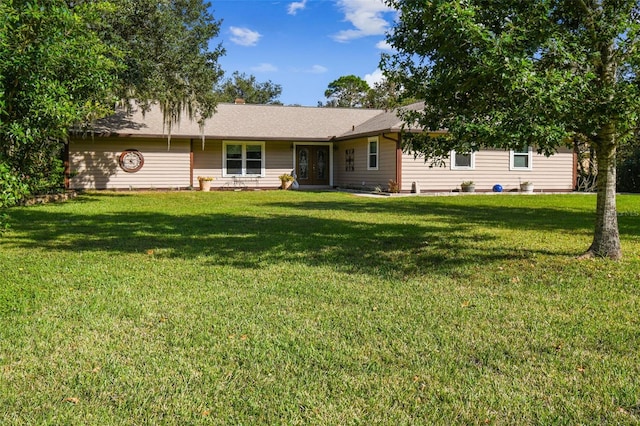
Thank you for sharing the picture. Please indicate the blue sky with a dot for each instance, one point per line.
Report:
(303, 45)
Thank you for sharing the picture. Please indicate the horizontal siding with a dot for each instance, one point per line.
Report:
(360, 177)
(553, 173)
(94, 164)
(208, 162)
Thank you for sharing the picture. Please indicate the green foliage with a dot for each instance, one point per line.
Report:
(166, 54)
(308, 308)
(241, 86)
(629, 170)
(12, 190)
(55, 73)
(517, 73)
(351, 91)
(348, 91)
(387, 94)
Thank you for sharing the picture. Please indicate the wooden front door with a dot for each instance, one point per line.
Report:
(312, 164)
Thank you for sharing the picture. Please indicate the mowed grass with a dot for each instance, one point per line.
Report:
(188, 308)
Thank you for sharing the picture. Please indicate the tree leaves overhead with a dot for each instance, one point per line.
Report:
(513, 72)
(167, 54)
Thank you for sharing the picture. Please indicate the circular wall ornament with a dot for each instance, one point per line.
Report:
(131, 160)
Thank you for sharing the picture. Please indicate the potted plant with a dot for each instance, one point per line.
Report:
(526, 186)
(286, 180)
(468, 186)
(205, 182)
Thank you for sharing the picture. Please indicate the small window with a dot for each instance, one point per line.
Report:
(373, 154)
(461, 161)
(521, 159)
(243, 159)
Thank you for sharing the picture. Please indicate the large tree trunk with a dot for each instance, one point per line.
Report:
(606, 238)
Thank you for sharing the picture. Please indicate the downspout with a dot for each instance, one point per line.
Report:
(398, 142)
(575, 167)
(399, 162)
(190, 163)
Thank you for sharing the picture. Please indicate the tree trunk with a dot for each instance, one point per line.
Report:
(606, 238)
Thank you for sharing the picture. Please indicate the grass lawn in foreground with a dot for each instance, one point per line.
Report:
(317, 308)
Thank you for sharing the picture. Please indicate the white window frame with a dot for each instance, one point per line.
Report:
(369, 153)
(472, 165)
(244, 158)
(513, 154)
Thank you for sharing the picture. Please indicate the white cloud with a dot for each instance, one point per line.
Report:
(296, 6)
(384, 45)
(244, 36)
(317, 69)
(366, 16)
(264, 67)
(374, 77)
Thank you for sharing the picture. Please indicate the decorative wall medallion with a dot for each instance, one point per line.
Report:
(131, 160)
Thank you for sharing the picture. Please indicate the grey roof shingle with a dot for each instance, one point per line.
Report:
(247, 121)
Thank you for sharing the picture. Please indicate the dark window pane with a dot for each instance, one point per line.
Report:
(520, 160)
(373, 161)
(234, 151)
(234, 167)
(463, 160)
(254, 152)
(254, 167)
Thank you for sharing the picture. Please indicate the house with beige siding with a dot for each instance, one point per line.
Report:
(249, 146)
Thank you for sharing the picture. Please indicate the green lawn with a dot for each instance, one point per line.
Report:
(317, 308)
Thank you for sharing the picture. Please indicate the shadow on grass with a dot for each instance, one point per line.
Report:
(448, 240)
(526, 217)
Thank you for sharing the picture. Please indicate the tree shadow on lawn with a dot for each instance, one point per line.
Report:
(451, 241)
(497, 216)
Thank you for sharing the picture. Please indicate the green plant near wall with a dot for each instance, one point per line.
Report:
(12, 190)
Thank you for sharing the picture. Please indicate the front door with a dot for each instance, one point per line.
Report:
(312, 164)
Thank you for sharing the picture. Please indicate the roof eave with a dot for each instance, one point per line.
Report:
(107, 134)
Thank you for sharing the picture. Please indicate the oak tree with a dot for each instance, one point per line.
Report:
(66, 63)
(515, 73)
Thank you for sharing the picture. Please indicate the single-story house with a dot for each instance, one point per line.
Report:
(250, 146)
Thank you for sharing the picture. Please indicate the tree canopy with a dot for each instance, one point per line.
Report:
(348, 91)
(53, 73)
(513, 74)
(241, 86)
(166, 54)
(66, 63)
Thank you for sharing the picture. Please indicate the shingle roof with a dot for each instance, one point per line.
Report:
(247, 122)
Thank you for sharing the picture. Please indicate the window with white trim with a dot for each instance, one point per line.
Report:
(373, 154)
(521, 159)
(460, 161)
(243, 159)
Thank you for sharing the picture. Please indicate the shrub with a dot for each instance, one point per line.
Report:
(12, 191)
